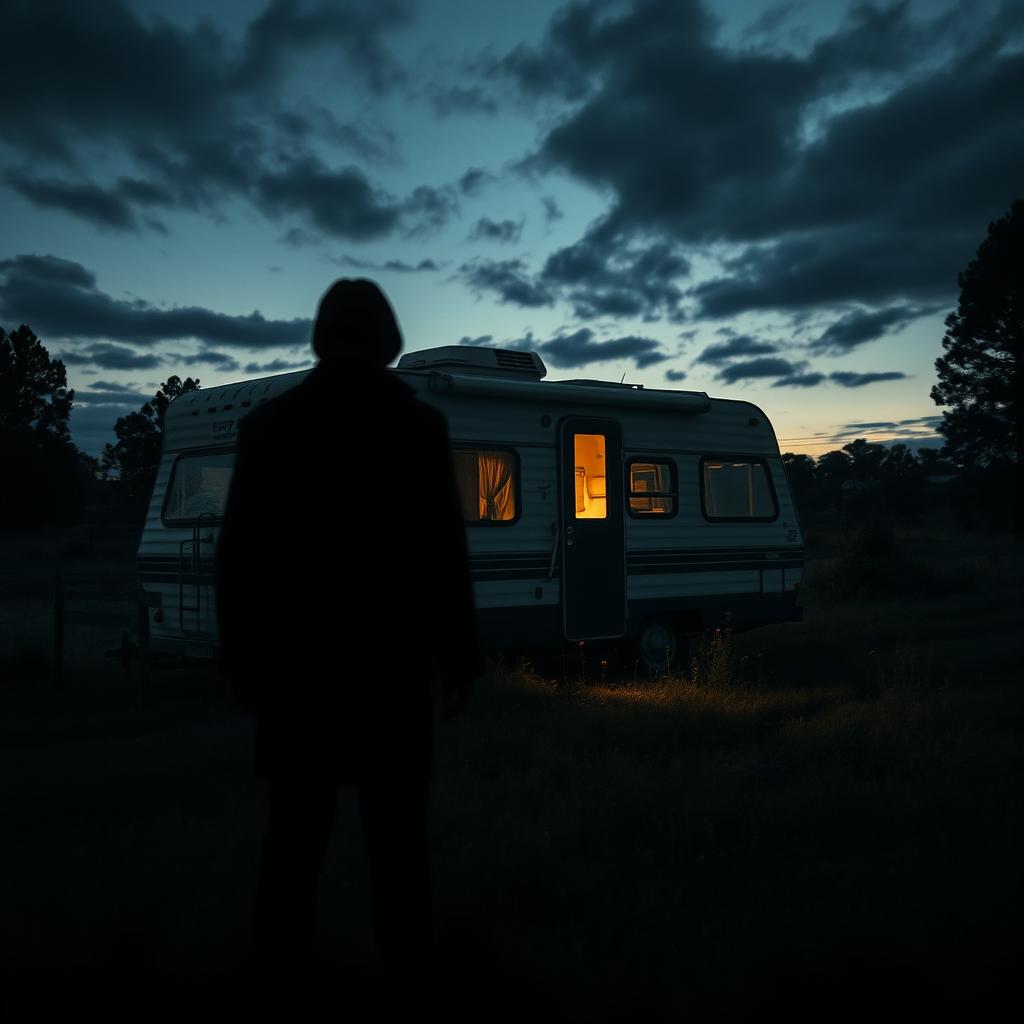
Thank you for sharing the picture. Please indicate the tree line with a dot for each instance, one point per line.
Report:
(47, 479)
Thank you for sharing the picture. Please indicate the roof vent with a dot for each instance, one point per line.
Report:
(486, 362)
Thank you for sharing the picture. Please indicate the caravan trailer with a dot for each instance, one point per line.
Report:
(594, 511)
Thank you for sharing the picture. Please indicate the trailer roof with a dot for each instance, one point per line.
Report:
(209, 416)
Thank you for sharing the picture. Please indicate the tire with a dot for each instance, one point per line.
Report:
(660, 645)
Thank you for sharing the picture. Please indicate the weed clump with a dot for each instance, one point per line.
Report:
(717, 666)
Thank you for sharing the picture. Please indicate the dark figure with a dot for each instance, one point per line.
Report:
(342, 588)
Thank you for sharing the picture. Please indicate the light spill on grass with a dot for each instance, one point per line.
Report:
(737, 829)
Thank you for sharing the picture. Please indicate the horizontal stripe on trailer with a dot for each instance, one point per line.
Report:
(171, 570)
(670, 568)
(764, 556)
(536, 575)
(495, 575)
(171, 564)
(168, 579)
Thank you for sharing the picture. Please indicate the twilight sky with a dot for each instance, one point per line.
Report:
(761, 200)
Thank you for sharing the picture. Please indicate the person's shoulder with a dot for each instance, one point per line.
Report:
(426, 419)
(269, 415)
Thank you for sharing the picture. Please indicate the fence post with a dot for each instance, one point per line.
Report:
(58, 632)
(143, 630)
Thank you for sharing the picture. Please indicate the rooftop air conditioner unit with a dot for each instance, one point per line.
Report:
(485, 362)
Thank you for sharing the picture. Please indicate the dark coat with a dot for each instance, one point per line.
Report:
(342, 576)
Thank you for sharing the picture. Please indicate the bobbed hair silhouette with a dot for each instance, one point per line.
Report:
(355, 320)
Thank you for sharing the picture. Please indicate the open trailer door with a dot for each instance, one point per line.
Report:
(593, 529)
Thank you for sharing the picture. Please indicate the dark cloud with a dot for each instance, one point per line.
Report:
(675, 375)
(145, 193)
(873, 156)
(71, 75)
(601, 276)
(508, 280)
(218, 360)
(537, 76)
(81, 198)
(286, 30)
(924, 421)
(769, 22)
(112, 357)
(858, 380)
(486, 229)
(861, 326)
(427, 209)
(298, 129)
(473, 181)
(277, 366)
(301, 238)
(597, 275)
(800, 273)
(800, 380)
(552, 211)
(877, 425)
(581, 348)
(844, 378)
(734, 348)
(916, 433)
(59, 298)
(341, 203)
(101, 392)
(397, 266)
(758, 368)
(202, 118)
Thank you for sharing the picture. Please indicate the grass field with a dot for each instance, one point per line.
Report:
(825, 823)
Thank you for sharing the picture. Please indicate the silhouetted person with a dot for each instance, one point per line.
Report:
(342, 588)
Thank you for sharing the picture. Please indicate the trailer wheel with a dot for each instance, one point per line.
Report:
(659, 645)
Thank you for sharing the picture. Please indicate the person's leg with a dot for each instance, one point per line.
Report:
(394, 824)
(301, 816)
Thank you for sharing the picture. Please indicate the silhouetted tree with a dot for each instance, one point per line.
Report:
(833, 471)
(34, 393)
(865, 459)
(800, 471)
(979, 376)
(135, 457)
(933, 462)
(44, 474)
(903, 483)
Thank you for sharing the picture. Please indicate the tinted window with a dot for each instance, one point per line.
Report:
(737, 489)
(199, 484)
(652, 488)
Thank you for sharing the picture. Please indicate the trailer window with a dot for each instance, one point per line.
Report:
(487, 481)
(737, 489)
(199, 485)
(652, 489)
(591, 476)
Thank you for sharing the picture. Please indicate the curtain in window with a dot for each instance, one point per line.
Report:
(495, 476)
(466, 476)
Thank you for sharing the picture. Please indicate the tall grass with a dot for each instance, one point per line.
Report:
(810, 819)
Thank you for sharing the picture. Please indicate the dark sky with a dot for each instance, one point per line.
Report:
(760, 200)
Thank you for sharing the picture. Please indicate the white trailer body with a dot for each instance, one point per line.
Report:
(593, 511)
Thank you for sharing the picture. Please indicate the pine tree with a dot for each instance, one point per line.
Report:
(979, 376)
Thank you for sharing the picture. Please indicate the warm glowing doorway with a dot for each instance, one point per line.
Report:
(593, 551)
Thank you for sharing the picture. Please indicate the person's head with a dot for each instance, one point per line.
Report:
(355, 320)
